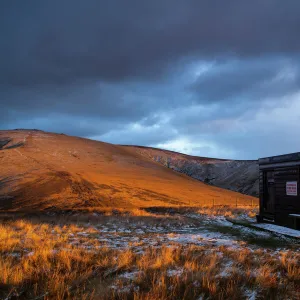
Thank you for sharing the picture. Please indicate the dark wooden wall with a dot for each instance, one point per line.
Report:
(284, 204)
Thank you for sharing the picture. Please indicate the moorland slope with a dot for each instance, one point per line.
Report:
(236, 175)
(47, 171)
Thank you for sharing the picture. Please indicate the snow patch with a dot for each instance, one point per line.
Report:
(130, 275)
(279, 229)
(226, 272)
(83, 233)
(250, 295)
(174, 272)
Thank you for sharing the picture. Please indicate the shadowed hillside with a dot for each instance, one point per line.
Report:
(236, 175)
(42, 170)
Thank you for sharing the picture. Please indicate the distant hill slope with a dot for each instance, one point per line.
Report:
(42, 170)
(236, 175)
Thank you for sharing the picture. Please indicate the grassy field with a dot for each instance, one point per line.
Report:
(187, 253)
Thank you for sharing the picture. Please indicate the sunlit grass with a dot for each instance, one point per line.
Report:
(52, 259)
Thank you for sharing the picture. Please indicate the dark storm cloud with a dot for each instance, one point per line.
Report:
(61, 123)
(81, 99)
(150, 72)
(63, 41)
(130, 102)
(249, 80)
(82, 110)
(151, 135)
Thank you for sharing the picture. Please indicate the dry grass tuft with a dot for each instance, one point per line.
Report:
(229, 211)
(56, 260)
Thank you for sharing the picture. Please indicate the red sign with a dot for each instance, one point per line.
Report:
(291, 188)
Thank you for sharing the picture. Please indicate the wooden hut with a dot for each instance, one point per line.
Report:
(279, 190)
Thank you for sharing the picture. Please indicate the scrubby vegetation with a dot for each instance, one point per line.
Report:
(141, 257)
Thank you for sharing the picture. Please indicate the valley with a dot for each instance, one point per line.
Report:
(82, 219)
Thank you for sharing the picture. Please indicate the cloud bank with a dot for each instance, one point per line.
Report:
(201, 77)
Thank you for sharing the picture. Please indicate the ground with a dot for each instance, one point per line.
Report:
(158, 253)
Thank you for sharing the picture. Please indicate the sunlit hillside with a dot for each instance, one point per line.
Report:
(42, 170)
(236, 175)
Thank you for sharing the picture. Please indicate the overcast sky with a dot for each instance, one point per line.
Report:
(209, 78)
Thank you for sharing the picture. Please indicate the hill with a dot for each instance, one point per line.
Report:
(41, 171)
(236, 175)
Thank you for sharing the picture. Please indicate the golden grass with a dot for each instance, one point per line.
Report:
(108, 211)
(229, 210)
(39, 260)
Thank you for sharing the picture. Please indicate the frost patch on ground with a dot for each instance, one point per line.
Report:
(15, 254)
(258, 233)
(227, 270)
(202, 238)
(250, 295)
(174, 272)
(219, 220)
(279, 229)
(83, 233)
(200, 230)
(130, 275)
